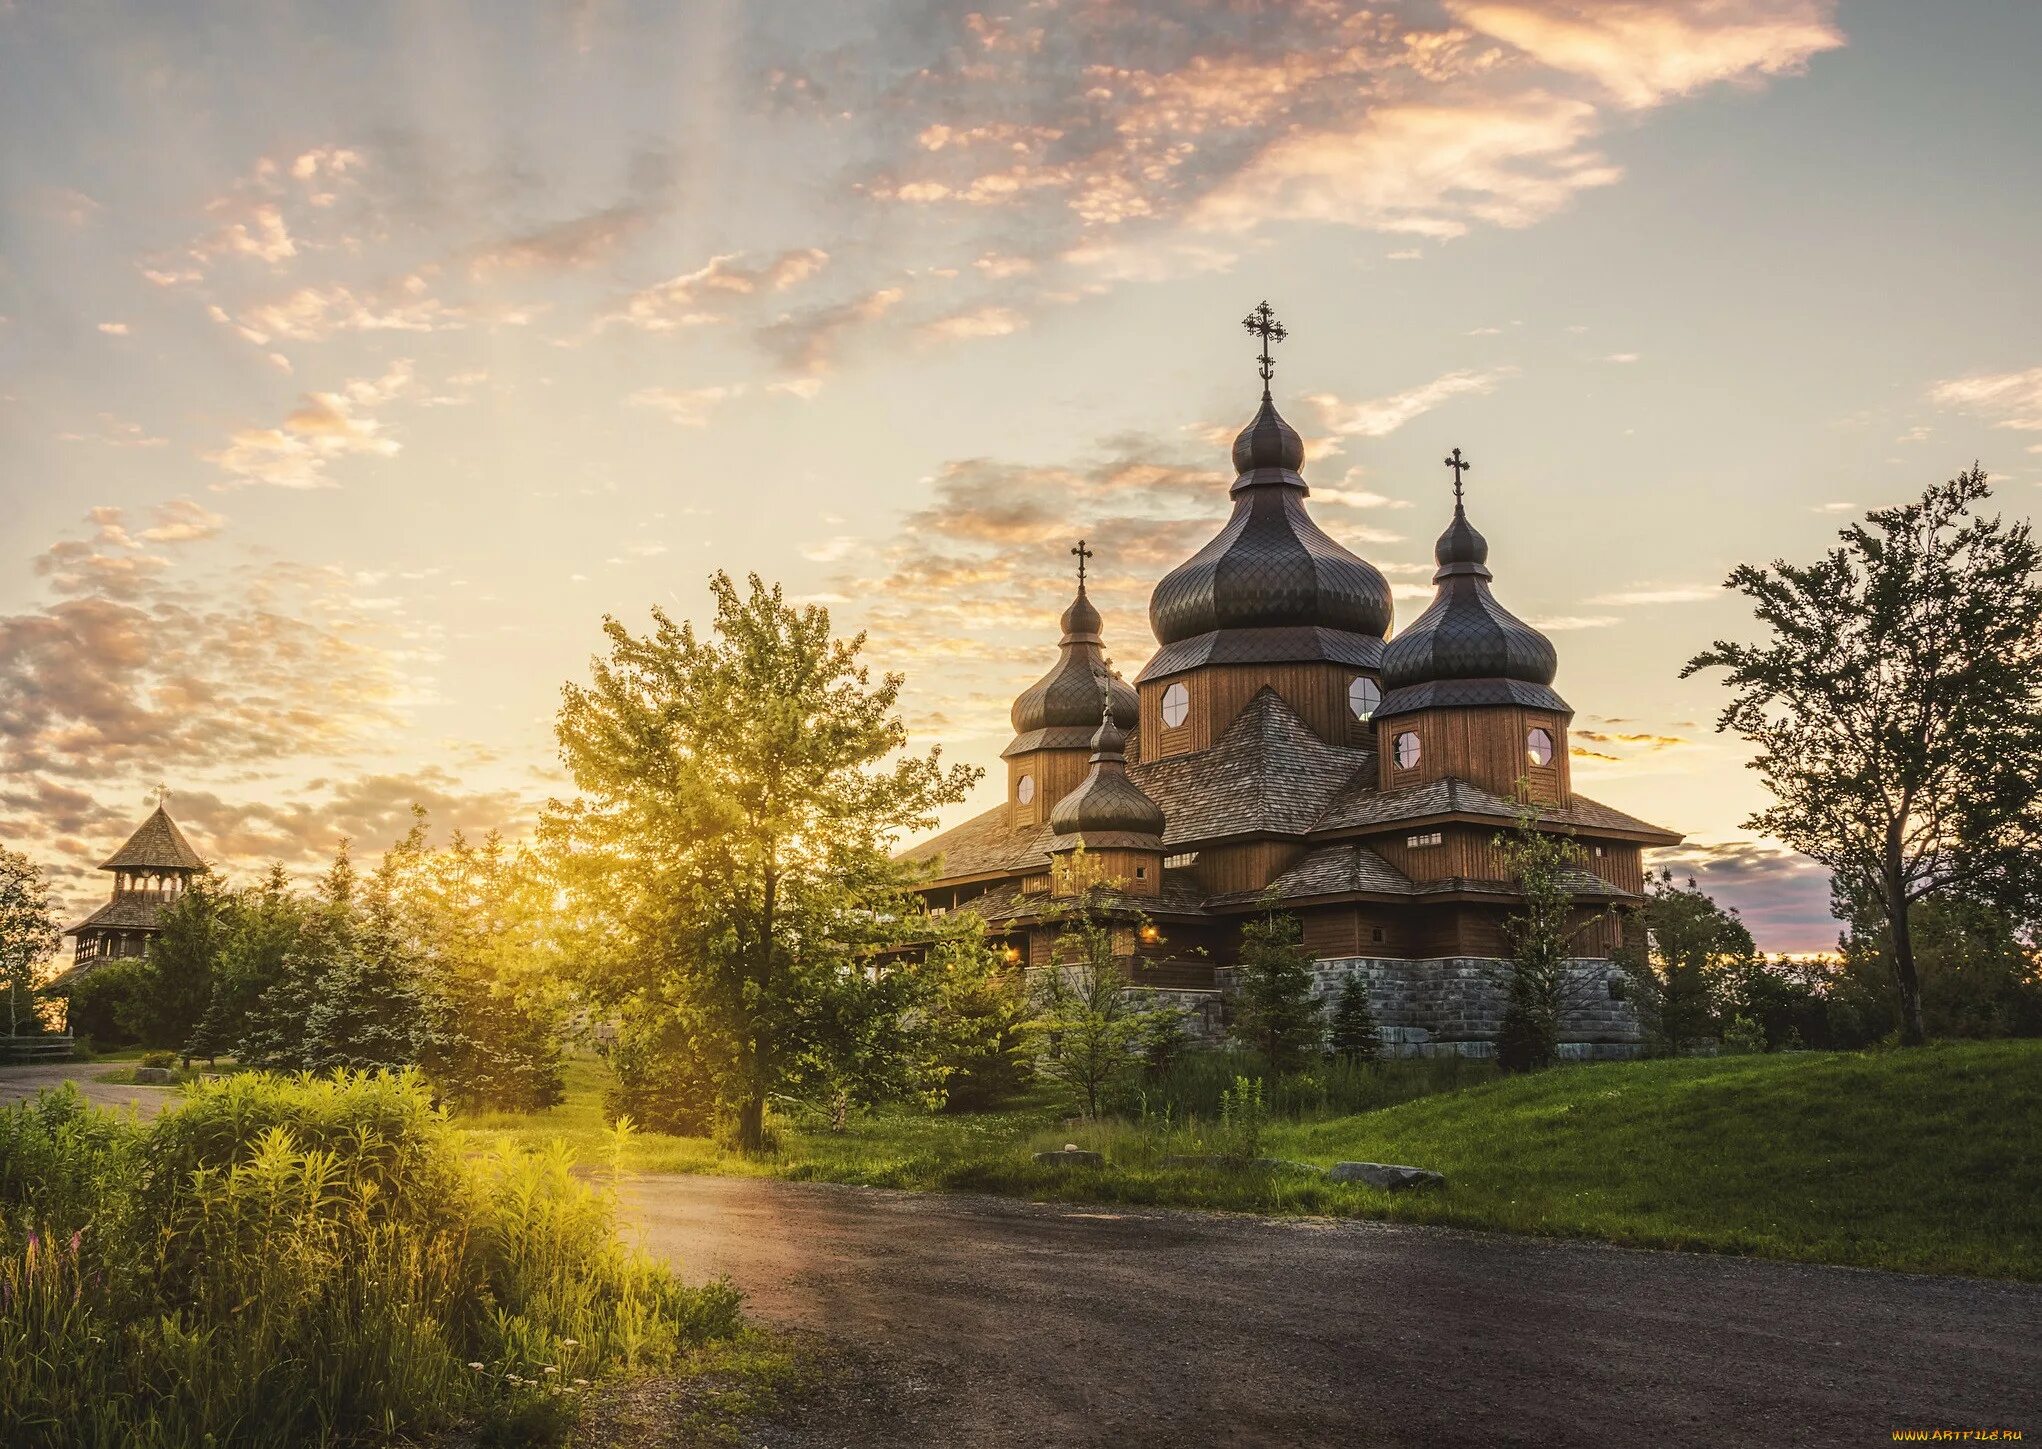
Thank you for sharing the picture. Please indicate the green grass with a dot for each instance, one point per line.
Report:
(1927, 1160)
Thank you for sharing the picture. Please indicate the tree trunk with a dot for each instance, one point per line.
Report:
(751, 1123)
(1902, 934)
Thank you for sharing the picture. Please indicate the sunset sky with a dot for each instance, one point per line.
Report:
(355, 360)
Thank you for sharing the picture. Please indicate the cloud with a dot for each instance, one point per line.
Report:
(580, 241)
(1658, 594)
(1644, 52)
(806, 342)
(1379, 417)
(313, 314)
(114, 329)
(325, 426)
(2012, 399)
(1781, 896)
(689, 407)
(988, 321)
(1561, 622)
(1621, 357)
(182, 521)
(680, 301)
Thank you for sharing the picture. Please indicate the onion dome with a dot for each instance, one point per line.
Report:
(1466, 648)
(1061, 709)
(1272, 587)
(1107, 808)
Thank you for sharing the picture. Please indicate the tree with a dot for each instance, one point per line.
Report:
(1897, 708)
(1274, 1008)
(1354, 1036)
(179, 971)
(1979, 976)
(1094, 1023)
(731, 849)
(978, 1019)
(1680, 960)
(28, 936)
(261, 927)
(1541, 935)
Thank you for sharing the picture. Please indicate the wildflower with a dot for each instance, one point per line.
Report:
(476, 1366)
(549, 1369)
(581, 1383)
(570, 1343)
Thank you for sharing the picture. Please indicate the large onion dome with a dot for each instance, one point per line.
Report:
(1272, 587)
(1466, 648)
(1107, 808)
(1061, 709)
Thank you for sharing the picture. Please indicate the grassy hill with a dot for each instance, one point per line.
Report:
(1927, 1160)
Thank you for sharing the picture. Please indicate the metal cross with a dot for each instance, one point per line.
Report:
(1083, 553)
(1460, 466)
(162, 794)
(1262, 322)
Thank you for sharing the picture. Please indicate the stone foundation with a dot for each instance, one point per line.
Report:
(1453, 1006)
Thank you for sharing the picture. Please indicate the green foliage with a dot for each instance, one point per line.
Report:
(729, 860)
(1243, 1118)
(28, 938)
(110, 1003)
(1093, 1023)
(1980, 976)
(1353, 1035)
(1682, 956)
(1541, 934)
(1273, 1006)
(978, 1026)
(178, 982)
(261, 925)
(1742, 1036)
(1897, 710)
(660, 1081)
(290, 1260)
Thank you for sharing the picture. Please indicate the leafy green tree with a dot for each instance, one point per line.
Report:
(1541, 934)
(1981, 976)
(28, 937)
(730, 854)
(1897, 708)
(1274, 1008)
(1353, 1035)
(261, 927)
(1680, 958)
(979, 1013)
(182, 955)
(1093, 1022)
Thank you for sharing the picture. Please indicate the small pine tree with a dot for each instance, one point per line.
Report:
(1275, 1009)
(1354, 1036)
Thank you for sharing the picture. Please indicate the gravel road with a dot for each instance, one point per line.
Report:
(20, 1083)
(980, 1321)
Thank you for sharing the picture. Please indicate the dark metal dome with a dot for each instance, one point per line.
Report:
(1061, 709)
(1466, 648)
(1271, 570)
(1107, 807)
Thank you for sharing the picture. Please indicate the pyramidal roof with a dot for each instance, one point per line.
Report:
(156, 845)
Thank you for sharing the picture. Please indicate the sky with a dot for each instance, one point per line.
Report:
(355, 361)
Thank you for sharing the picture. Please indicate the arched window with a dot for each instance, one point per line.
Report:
(1176, 705)
(1538, 747)
(1407, 750)
(1363, 696)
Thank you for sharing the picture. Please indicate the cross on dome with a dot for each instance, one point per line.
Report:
(1083, 553)
(1262, 323)
(1460, 466)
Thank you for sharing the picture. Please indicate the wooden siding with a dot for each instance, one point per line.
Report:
(1219, 692)
(1484, 745)
(1247, 866)
(1056, 774)
(1136, 872)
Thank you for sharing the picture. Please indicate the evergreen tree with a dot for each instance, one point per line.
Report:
(181, 961)
(979, 1015)
(730, 856)
(261, 926)
(1273, 1005)
(1897, 709)
(1541, 935)
(1354, 1036)
(1093, 1022)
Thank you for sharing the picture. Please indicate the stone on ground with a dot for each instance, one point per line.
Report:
(1389, 1176)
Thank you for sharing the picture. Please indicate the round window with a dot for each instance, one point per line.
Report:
(1538, 747)
(1176, 705)
(1407, 749)
(1363, 696)
(1025, 791)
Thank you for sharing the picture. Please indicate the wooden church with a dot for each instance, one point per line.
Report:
(1283, 743)
(151, 871)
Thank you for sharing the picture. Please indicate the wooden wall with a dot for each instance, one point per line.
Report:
(1248, 865)
(1219, 692)
(1137, 872)
(1056, 772)
(1484, 745)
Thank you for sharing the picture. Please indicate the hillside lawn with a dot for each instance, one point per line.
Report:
(1927, 1160)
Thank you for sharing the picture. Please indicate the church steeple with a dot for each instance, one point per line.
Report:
(1108, 822)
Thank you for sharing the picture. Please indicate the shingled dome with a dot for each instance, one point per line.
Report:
(1061, 709)
(1272, 587)
(1108, 808)
(1466, 648)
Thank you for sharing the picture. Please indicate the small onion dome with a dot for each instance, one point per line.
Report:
(1466, 648)
(1061, 709)
(1272, 586)
(1107, 808)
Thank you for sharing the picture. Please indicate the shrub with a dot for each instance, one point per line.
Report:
(1743, 1037)
(159, 1059)
(1353, 1036)
(290, 1260)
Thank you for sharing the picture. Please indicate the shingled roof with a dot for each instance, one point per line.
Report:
(1361, 805)
(1337, 870)
(156, 845)
(1180, 899)
(130, 911)
(1267, 773)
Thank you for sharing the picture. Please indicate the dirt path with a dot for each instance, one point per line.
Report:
(19, 1083)
(979, 1321)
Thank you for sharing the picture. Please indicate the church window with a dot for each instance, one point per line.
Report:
(1176, 705)
(1025, 791)
(1407, 750)
(1430, 837)
(1141, 872)
(1178, 862)
(1363, 696)
(1538, 747)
